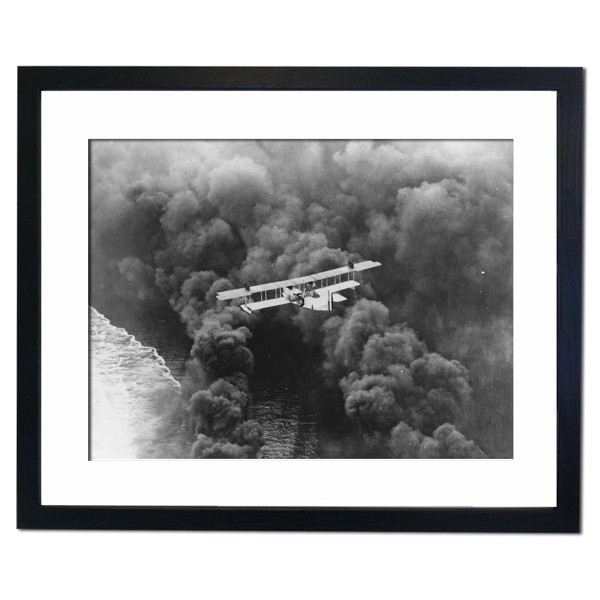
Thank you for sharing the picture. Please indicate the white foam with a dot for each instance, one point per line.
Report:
(131, 390)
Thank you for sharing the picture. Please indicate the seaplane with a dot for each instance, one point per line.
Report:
(313, 292)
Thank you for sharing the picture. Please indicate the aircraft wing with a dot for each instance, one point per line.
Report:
(338, 287)
(366, 264)
(277, 285)
(263, 287)
(231, 294)
(250, 307)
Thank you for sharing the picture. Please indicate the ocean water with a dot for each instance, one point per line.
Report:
(135, 402)
(289, 426)
(136, 405)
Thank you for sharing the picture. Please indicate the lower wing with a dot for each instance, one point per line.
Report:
(250, 307)
(338, 287)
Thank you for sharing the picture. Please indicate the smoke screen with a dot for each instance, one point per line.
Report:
(418, 361)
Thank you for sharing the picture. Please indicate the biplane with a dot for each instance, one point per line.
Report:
(313, 292)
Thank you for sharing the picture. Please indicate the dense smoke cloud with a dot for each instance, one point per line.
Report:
(446, 442)
(218, 415)
(183, 220)
(393, 379)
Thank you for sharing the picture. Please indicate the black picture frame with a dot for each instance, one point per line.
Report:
(564, 518)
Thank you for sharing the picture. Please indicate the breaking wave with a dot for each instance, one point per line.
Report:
(136, 406)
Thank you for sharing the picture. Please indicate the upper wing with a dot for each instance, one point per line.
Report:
(276, 285)
(263, 287)
(361, 266)
(230, 294)
(366, 264)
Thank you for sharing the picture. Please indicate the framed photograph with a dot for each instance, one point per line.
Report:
(377, 270)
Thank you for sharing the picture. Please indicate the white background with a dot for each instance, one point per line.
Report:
(157, 565)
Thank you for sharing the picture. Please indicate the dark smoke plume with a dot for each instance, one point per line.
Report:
(177, 222)
(393, 379)
(445, 442)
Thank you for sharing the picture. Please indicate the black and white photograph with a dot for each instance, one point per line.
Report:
(283, 299)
